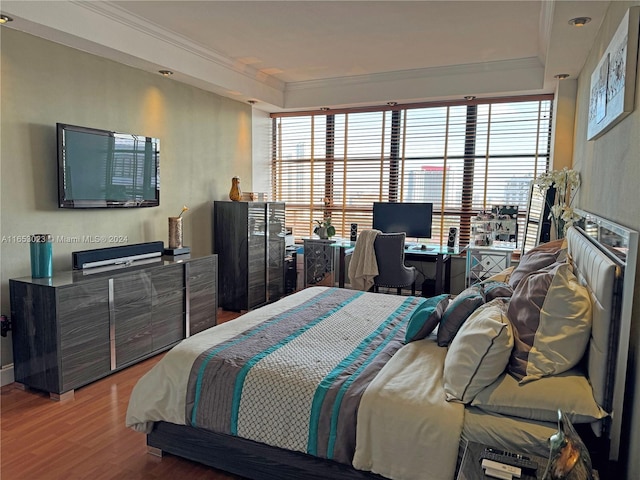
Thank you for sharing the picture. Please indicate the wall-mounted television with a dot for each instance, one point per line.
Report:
(104, 169)
(412, 218)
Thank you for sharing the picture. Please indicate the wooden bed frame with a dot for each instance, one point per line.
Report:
(258, 461)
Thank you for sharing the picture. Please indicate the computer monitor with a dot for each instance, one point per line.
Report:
(412, 218)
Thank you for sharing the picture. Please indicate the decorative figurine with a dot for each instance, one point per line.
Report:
(568, 456)
(235, 194)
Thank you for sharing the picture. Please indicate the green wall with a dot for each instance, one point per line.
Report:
(205, 140)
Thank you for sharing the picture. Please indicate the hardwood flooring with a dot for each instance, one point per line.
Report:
(86, 438)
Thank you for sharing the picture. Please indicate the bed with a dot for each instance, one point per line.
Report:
(336, 383)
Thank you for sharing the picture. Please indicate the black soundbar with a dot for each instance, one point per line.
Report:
(116, 255)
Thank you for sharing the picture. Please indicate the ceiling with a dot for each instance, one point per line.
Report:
(302, 55)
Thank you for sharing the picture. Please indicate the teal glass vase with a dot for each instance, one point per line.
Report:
(41, 246)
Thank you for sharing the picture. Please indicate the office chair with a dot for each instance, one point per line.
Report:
(392, 272)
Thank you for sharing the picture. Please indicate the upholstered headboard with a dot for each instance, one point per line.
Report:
(604, 258)
(601, 275)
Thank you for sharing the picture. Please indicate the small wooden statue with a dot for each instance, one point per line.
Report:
(235, 194)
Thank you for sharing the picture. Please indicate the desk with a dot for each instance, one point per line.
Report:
(329, 256)
(441, 255)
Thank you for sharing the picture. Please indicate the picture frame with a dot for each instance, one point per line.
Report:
(612, 91)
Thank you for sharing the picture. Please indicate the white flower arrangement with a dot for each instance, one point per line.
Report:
(566, 182)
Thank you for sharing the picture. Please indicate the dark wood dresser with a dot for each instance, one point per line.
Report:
(75, 327)
(249, 238)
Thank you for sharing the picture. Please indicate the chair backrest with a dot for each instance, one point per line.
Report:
(389, 248)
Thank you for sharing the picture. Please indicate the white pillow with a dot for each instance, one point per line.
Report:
(569, 391)
(479, 353)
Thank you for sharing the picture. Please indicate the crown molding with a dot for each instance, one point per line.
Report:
(513, 77)
(544, 29)
(103, 29)
(160, 34)
(431, 72)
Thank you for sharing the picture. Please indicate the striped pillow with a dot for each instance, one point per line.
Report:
(551, 316)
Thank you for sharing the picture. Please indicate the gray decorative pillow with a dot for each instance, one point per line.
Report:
(493, 289)
(538, 258)
(457, 312)
(426, 317)
(551, 316)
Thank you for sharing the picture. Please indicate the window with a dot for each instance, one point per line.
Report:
(463, 158)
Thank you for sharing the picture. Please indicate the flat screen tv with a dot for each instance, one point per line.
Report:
(104, 169)
(412, 218)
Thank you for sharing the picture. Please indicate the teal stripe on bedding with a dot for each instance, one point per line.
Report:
(247, 336)
(325, 384)
(244, 371)
(345, 386)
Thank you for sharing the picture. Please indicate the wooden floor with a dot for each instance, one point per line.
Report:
(85, 438)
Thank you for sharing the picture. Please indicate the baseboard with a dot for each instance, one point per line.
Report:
(6, 375)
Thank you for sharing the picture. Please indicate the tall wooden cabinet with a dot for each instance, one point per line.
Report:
(72, 329)
(249, 238)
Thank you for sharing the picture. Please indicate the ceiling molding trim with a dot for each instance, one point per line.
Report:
(356, 91)
(139, 25)
(544, 29)
(422, 73)
(76, 26)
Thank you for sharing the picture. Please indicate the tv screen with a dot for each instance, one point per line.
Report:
(412, 218)
(100, 168)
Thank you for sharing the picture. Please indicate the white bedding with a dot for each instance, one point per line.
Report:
(508, 433)
(406, 428)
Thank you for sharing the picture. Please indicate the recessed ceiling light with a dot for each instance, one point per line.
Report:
(579, 21)
(324, 109)
(5, 19)
(561, 76)
(165, 73)
(470, 97)
(392, 104)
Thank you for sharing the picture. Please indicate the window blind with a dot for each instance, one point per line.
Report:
(462, 157)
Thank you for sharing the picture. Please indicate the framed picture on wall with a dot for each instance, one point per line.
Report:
(612, 94)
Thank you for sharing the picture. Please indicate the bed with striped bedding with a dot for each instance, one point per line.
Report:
(293, 375)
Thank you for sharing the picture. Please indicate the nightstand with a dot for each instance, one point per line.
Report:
(484, 262)
(471, 469)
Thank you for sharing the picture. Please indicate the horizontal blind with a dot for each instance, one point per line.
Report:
(463, 158)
